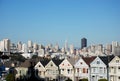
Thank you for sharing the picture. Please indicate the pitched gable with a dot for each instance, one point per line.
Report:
(97, 62)
(106, 59)
(88, 60)
(81, 63)
(65, 63)
(115, 60)
(39, 66)
(44, 62)
(57, 61)
(51, 64)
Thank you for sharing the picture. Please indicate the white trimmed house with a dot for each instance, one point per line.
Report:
(114, 69)
(81, 70)
(40, 66)
(67, 69)
(98, 69)
(52, 69)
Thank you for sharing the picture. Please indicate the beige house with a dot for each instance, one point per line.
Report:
(40, 66)
(52, 69)
(22, 69)
(114, 69)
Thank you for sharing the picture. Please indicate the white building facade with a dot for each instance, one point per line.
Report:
(114, 69)
(98, 70)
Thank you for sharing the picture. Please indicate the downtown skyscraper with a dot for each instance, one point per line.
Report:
(83, 43)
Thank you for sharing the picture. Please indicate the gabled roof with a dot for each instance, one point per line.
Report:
(106, 59)
(81, 63)
(88, 60)
(114, 59)
(44, 62)
(72, 60)
(57, 61)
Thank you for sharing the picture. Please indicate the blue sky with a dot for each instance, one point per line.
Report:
(54, 21)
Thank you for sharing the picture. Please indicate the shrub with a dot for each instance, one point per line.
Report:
(10, 77)
(83, 79)
(68, 79)
(102, 80)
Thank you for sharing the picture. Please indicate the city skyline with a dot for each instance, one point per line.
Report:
(56, 21)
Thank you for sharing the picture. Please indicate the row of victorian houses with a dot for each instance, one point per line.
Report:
(91, 68)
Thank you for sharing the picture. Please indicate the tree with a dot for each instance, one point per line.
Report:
(10, 77)
(102, 80)
(34, 56)
(17, 57)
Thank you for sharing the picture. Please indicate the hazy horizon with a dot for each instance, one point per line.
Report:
(53, 21)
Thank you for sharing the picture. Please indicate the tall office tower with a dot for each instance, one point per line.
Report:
(50, 46)
(83, 43)
(30, 44)
(24, 48)
(13, 48)
(117, 50)
(92, 48)
(56, 47)
(19, 46)
(66, 45)
(100, 48)
(6, 45)
(114, 44)
(2, 45)
(71, 49)
(108, 49)
(35, 46)
(41, 52)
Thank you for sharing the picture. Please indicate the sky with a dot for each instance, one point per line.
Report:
(55, 21)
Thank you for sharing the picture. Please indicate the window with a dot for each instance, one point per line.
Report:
(68, 71)
(51, 65)
(119, 68)
(119, 77)
(93, 69)
(62, 64)
(62, 69)
(101, 69)
(77, 69)
(39, 65)
(84, 70)
(117, 61)
(101, 76)
(81, 63)
(98, 62)
(87, 70)
(40, 72)
(104, 70)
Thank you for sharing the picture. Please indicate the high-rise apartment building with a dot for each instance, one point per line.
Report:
(108, 49)
(114, 45)
(83, 43)
(24, 48)
(19, 46)
(30, 44)
(66, 45)
(5, 45)
(71, 49)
